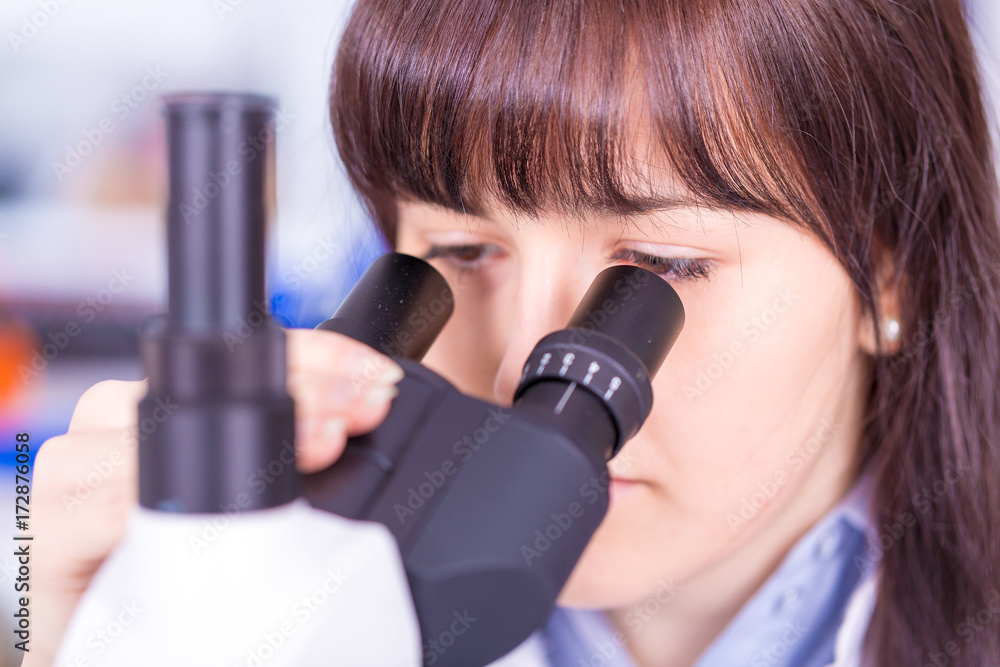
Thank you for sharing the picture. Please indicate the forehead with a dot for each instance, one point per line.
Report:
(678, 217)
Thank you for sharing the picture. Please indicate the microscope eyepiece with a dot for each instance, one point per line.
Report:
(218, 145)
(216, 357)
(614, 343)
(398, 307)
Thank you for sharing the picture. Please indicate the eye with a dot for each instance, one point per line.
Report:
(469, 257)
(678, 268)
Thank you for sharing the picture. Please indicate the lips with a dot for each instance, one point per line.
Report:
(620, 488)
(627, 480)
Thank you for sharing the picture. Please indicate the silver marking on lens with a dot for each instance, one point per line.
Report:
(565, 397)
(543, 362)
(567, 362)
(614, 384)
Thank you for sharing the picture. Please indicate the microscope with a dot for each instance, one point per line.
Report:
(443, 537)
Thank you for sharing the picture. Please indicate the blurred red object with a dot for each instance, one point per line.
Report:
(17, 344)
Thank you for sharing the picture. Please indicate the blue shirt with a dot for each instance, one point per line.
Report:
(791, 621)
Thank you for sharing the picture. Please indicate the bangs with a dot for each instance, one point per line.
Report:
(587, 108)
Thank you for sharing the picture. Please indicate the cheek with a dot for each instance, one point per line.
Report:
(750, 380)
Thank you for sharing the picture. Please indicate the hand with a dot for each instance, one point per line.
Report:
(85, 482)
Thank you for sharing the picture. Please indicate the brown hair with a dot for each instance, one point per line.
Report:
(859, 120)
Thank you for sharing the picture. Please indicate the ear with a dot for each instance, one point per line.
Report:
(888, 290)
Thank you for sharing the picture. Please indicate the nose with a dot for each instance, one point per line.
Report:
(549, 288)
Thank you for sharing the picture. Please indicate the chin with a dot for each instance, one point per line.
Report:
(634, 553)
(605, 577)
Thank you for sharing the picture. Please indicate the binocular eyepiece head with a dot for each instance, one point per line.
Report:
(613, 344)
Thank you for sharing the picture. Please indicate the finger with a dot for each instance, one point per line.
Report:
(87, 461)
(319, 442)
(321, 430)
(316, 350)
(85, 485)
(319, 395)
(111, 404)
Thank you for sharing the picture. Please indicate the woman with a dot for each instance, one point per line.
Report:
(817, 481)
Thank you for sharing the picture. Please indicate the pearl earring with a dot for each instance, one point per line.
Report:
(890, 329)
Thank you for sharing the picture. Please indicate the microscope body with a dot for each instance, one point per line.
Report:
(487, 532)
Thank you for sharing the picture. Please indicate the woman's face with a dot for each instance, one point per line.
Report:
(756, 413)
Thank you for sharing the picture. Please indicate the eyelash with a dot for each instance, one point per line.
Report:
(679, 268)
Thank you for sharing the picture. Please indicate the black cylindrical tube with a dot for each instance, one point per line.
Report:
(581, 415)
(218, 146)
(612, 346)
(398, 307)
(637, 308)
(217, 426)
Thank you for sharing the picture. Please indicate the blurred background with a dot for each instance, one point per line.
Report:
(82, 186)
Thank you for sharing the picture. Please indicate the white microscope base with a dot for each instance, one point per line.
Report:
(287, 586)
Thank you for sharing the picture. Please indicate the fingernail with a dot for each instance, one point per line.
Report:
(390, 374)
(380, 393)
(334, 428)
(376, 369)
